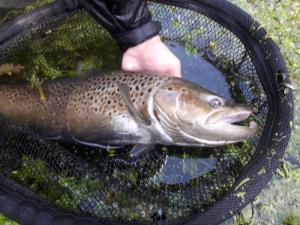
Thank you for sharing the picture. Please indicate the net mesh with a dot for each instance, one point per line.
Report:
(169, 184)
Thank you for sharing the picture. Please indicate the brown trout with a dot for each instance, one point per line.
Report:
(122, 108)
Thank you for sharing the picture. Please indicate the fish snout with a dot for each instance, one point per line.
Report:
(237, 116)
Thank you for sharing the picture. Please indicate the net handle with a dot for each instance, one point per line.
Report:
(11, 30)
(28, 208)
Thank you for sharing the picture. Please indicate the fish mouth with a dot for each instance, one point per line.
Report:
(236, 117)
(234, 120)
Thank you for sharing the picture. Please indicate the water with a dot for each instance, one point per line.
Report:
(176, 170)
(201, 72)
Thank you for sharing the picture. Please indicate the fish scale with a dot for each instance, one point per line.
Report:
(100, 94)
(75, 104)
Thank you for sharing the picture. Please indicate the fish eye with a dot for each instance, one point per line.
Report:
(216, 103)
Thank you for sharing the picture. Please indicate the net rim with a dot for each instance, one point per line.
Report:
(283, 113)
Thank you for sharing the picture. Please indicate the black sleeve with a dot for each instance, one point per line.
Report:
(128, 21)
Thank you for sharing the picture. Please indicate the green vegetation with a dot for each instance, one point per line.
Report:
(6, 221)
(274, 204)
(292, 219)
(37, 4)
(64, 190)
(44, 59)
(245, 217)
(282, 196)
(58, 53)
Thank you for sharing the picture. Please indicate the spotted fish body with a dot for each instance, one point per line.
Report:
(126, 108)
(89, 109)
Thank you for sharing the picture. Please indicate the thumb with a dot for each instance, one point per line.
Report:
(130, 63)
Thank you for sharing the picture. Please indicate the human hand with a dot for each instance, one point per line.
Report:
(151, 56)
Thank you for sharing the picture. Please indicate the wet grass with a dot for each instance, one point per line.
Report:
(279, 202)
(6, 221)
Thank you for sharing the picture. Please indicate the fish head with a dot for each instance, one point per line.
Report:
(191, 115)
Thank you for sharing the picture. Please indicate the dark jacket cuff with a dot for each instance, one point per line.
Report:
(128, 21)
(138, 35)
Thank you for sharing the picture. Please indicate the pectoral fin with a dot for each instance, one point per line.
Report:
(138, 116)
(95, 145)
(140, 149)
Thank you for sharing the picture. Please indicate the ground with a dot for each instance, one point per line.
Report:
(279, 203)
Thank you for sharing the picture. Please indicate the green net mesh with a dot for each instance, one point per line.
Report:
(170, 183)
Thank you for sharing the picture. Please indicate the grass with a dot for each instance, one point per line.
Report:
(292, 219)
(6, 221)
(277, 204)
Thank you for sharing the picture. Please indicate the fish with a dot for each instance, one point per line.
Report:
(124, 108)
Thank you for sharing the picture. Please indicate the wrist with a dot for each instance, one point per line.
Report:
(138, 36)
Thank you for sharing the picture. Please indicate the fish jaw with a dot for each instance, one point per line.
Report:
(219, 129)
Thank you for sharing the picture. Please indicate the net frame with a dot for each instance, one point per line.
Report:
(27, 208)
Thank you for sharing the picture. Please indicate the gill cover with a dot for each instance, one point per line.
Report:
(191, 115)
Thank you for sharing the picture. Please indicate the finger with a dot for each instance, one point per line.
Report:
(177, 69)
(130, 64)
(177, 73)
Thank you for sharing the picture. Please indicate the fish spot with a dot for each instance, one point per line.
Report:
(183, 90)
